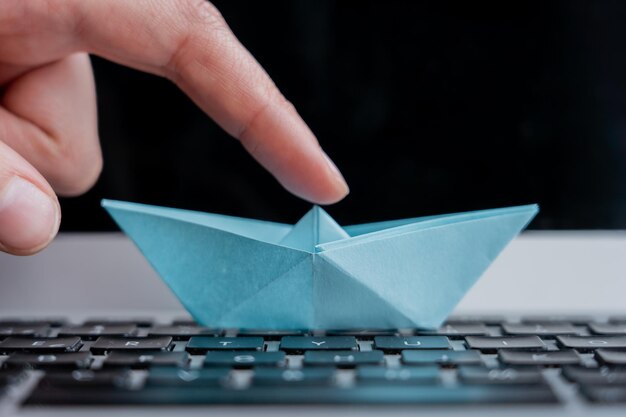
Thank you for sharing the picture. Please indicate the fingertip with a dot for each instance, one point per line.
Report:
(325, 188)
(339, 189)
(29, 217)
(330, 196)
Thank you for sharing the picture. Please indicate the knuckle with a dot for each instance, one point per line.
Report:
(273, 100)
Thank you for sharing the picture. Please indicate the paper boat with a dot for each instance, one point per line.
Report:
(231, 272)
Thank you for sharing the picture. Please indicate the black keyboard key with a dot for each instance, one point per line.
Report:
(441, 357)
(490, 344)
(269, 334)
(139, 322)
(202, 344)
(50, 322)
(302, 343)
(396, 343)
(85, 378)
(364, 334)
(304, 376)
(343, 358)
(181, 332)
(24, 330)
(608, 328)
(617, 319)
(540, 329)
(476, 319)
(244, 359)
(497, 376)
(40, 345)
(107, 344)
(184, 322)
(611, 357)
(137, 360)
(75, 360)
(552, 358)
(458, 330)
(605, 395)
(595, 376)
(97, 330)
(172, 377)
(407, 375)
(588, 343)
(557, 319)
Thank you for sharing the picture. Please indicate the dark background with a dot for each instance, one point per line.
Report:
(426, 107)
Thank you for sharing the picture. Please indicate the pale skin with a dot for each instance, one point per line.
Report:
(49, 142)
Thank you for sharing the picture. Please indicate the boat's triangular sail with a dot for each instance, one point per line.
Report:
(314, 228)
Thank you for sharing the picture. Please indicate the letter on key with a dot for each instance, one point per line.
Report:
(301, 343)
(106, 344)
(202, 344)
(395, 343)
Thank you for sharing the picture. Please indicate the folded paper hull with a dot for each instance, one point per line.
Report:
(240, 273)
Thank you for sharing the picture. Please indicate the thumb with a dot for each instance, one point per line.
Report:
(29, 209)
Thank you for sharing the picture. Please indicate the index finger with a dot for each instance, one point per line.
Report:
(188, 42)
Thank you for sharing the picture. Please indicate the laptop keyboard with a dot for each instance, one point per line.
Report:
(469, 360)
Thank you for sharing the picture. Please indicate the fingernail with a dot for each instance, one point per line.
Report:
(29, 218)
(338, 177)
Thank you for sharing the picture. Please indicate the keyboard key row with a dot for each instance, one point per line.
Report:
(296, 344)
(341, 359)
(298, 394)
(265, 376)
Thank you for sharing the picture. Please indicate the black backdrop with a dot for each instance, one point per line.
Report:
(426, 107)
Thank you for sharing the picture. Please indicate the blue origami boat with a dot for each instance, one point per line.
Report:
(231, 272)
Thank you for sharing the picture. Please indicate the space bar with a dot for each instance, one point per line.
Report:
(298, 395)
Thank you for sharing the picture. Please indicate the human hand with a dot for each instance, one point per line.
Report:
(48, 123)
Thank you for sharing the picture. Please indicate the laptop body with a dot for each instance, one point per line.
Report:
(542, 276)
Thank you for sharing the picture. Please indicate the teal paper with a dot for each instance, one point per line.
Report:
(232, 272)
